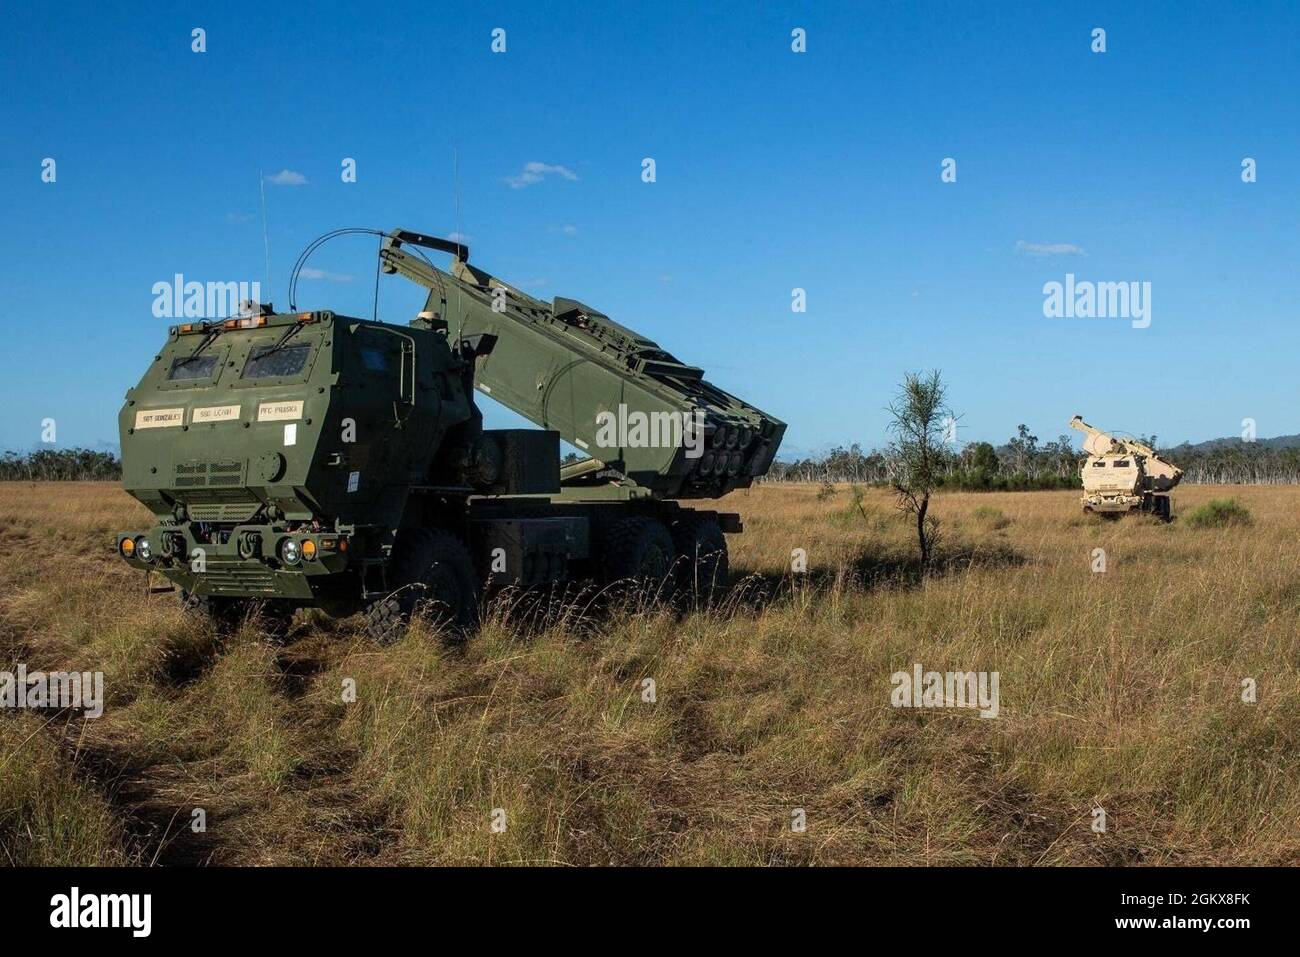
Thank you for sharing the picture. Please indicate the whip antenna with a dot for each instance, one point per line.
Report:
(266, 241)
(457, 237)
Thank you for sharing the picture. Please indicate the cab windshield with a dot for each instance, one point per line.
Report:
(267, 362)
(192, 367)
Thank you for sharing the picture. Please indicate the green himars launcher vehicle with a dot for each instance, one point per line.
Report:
(314, 459)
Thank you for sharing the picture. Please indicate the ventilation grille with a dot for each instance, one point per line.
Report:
(237, 579)
(208, 474)
(223, 511)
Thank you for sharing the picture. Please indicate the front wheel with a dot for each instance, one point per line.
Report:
(433, 577)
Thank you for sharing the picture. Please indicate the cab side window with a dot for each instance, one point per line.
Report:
(374, 359)
(377, 361)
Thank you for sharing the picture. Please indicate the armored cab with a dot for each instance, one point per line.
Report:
(1124, 475)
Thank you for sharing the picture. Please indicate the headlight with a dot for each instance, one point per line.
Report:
(127, 547)
(142, 549)
(290, 552)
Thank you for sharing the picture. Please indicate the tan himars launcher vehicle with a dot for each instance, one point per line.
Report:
(1123, 475)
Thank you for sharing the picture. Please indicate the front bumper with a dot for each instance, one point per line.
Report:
(1120, 502)
(247, 562)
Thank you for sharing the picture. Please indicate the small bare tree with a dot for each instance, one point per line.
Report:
(916, 458)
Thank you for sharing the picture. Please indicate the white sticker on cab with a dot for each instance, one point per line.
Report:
(158, 418)
(279, 410)
(291, 434)
(215, 413)
(354, 481)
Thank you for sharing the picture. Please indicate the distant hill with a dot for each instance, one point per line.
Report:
(1214, 445)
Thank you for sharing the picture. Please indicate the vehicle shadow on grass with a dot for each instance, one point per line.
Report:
(588, 610)
(874, 569)
(200, 644)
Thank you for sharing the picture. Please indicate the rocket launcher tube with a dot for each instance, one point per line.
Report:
(611, 392)
(1097, 442)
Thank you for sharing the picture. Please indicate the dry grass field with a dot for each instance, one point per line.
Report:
(1120, 689)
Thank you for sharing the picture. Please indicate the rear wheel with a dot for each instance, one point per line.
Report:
(638, 558)
(701, 553)
(432, 577)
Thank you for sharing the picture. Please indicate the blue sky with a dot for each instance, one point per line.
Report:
(775, 170)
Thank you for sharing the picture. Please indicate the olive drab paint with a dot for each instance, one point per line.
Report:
(290, 450)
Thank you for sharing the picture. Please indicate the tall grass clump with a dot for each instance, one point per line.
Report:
(991, 516)
(1220, 513)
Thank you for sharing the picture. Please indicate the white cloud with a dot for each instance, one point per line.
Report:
(287, 177)
(1049, 249)
(456, 237)
(535, 172)
(308, 273)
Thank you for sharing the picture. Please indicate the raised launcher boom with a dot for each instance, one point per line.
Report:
(1162, 475)
(634, 408)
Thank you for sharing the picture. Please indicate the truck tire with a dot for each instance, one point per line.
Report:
(432, 576)
(702, 562)
(637, 558)
(225, 615)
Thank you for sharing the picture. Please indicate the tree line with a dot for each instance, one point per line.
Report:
(1021, 463)
(1025, 463)
(54, 465)
(1238, 463)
